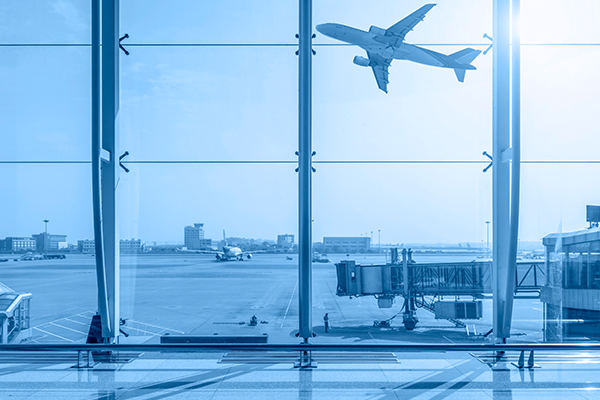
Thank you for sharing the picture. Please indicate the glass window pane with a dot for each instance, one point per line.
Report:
(179, 104)
(426, 114)
(60, 278)
(45, 103)
(362, 212)
(559, 103)
(45, 22)
(229, 21)
(178, 285)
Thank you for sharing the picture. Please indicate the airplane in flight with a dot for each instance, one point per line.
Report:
(231, 253)
(385, 45)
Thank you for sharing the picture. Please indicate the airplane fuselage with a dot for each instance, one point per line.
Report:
(232, 253)
(389, 47)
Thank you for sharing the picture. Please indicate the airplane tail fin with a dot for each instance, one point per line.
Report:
(224, 240)
(465, 56)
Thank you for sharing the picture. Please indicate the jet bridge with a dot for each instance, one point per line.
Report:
(14, 315)
(424, 285)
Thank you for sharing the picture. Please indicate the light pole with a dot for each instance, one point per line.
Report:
(46, 235)
(487, 249)
(379, 238)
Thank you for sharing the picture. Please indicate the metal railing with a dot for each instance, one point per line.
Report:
(208, 347)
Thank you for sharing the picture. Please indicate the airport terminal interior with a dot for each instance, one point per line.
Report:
(299, 199)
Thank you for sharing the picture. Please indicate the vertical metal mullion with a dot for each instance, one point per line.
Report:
(96, 168)
(516, 161)
(501, 170)
(109, 174)
(305, 169)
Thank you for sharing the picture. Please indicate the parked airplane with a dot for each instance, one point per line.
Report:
(385, 45)
(231, 253)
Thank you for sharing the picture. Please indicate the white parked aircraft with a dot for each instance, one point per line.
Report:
(231, 253)
(385, 45)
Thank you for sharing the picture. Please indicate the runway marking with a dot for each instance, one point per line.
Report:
(77, 322)
(52, 334)
(64, 327)
(289, 304)
(156, 326)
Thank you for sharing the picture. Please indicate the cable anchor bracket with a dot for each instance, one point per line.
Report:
(491, 161)
(121, 164)
(314, 153)
(485, 36)
(121, 46)
(313, 50)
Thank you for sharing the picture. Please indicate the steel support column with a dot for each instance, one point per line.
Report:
(501, 170)
(516, 163)
(305, 170)
(97, 165)
(105, 159)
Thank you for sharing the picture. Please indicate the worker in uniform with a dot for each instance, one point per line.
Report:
(326, 320)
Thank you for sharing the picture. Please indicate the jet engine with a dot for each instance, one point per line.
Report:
(375, 30)
(218, 256)
(363, 62)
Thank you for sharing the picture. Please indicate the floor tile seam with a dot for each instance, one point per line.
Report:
(576, 391)
(131, 385)
(134, 386)
(388, 379)
(470, 373)
(216, 389)
(424, 378)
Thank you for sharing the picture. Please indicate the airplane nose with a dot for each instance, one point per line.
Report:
(325, 29)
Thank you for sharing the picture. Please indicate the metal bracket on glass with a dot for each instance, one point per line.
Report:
(485, 35)
(312, 155)
(121, 164)
(313, 50)
(491, 162)
(121, 46)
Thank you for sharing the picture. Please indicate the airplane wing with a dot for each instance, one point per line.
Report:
(407, 24)
(380, 69)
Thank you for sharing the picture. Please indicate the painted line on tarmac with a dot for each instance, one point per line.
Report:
(77, 322)
(140, 330)
(156, 326)
(52, 334)
(64, 327)
(289, 304)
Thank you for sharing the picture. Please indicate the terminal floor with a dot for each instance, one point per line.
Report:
(201, 376)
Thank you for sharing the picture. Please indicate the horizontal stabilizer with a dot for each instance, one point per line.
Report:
(465, 56)
(460, 74)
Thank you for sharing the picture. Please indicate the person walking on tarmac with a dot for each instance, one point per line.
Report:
(326, 320)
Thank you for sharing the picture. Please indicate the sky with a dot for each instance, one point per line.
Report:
(234, 103)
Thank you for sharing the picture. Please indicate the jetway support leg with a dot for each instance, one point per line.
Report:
(409, 317)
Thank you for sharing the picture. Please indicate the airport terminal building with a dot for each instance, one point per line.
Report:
(571, 296)
(18, 244)
(346, 244)
(47, 242)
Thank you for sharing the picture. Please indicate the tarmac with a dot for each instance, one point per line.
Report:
(192, 294)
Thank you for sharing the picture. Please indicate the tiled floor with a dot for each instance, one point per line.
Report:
(190, 376)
